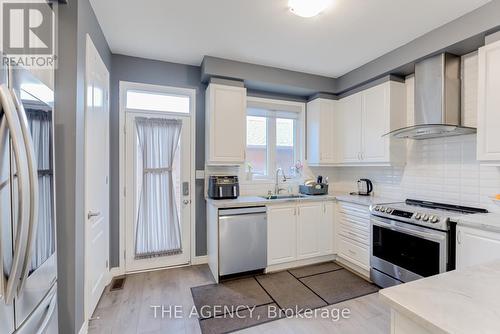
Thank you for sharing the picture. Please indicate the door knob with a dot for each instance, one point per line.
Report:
(93, 214)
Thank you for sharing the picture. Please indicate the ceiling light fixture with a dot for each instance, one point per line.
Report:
(308, 8)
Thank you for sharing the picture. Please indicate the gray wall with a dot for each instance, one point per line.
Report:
(75, 20)
(140, 70)
(459, 37)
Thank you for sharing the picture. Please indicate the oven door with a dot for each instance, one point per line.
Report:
(406, 252)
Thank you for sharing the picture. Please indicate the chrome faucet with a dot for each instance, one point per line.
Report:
(277, 188)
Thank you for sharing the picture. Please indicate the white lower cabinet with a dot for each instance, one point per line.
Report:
(309, 223)
(475, 246)
(299, 231)
(352, 231)
(281, 234)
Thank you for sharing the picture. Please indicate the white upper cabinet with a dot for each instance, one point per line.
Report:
(376, 122)
(225, 120)
(348, 134)
(353, 135)
(488, 125)
(320, 131)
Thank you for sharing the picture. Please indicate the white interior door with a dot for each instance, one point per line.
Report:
(96, 178)
(181, 173)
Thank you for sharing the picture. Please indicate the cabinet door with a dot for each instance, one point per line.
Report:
(281, 234)
(488, 136)
(327, 150)
(327, 235)
(348, 131)
(309, 221)
(476, 246)
(320, 132)
(226, 127)
(376, 123)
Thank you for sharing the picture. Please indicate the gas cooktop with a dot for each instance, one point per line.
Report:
(424, 213)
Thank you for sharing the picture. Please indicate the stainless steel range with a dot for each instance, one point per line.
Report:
(412, 240)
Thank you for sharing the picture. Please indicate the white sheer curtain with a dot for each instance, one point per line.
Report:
(158, 231)
(44, 244)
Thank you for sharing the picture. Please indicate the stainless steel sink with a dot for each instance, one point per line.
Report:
(283, 196)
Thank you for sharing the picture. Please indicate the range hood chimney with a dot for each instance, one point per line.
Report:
(437, 100)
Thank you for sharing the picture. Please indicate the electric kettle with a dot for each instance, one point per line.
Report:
(365, 187)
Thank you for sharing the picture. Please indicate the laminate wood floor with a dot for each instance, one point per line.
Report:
(132, 310)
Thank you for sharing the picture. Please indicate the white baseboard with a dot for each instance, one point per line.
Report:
(116, 271)
(199, 260)
(85, 328)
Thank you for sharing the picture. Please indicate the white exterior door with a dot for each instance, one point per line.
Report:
(181, 172)
(96, 178)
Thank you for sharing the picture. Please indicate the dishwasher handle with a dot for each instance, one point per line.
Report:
(242, 211)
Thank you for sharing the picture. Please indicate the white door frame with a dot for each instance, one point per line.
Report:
(90, 47)
(191, 92)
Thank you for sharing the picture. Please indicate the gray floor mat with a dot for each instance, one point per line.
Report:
(288, 292)
(229, 324)
(246, 292)
(340, 285)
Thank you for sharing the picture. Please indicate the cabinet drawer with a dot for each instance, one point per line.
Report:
(356, 235)
(362, 224)
(351, 251)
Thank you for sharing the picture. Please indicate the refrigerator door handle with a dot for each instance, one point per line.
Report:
(49, 314)
(33, 178)
(3, 143)
(21, 238)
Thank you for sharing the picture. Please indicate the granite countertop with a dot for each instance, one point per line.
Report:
(257, 201)
(461, 301)
(485, 221)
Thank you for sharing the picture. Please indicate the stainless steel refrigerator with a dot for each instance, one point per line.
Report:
(28, 283)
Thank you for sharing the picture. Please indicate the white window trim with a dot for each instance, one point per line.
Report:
(280, 105)
(124, 86)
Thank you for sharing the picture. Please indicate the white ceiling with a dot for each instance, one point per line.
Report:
(346, 36)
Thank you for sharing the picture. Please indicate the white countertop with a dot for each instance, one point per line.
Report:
(362, 200)
(256, 200)
(461, 301)
(485, 221)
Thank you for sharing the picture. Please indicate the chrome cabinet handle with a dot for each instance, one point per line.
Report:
(33, 178)
(186, 201)
(459, 237)
(20, 156)
(92, 214)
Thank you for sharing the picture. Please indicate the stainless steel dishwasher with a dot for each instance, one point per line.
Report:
(242, 240)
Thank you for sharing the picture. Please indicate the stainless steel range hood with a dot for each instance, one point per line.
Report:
(437, 100)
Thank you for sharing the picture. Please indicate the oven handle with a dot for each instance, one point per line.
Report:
(399, 228)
